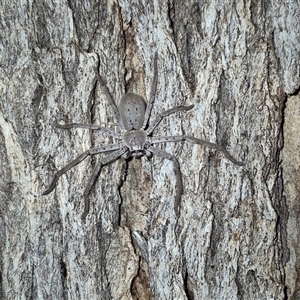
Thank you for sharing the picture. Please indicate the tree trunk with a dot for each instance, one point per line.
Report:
(234, 234)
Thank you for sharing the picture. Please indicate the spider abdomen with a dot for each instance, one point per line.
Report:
(132, 110)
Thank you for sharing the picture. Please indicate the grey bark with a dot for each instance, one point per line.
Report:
(237, 236)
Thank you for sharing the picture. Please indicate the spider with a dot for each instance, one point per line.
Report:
(135, 140)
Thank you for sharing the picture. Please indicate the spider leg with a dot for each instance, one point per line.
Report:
(87, 126)
(164, 114)
(104, 161)
(111, 101)
(142, 244)
(77, 160)
(176, 168)
(152, 94)
(166, 139)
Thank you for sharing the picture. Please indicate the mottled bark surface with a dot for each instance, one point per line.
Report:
(237, 235)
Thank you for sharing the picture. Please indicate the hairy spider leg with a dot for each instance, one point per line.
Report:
(104, 161)
(142, 243)
(77, 160)
(165, 113)
(111, 102)
(176, 167)
(92, 127)
(152, 94)
(166, 139)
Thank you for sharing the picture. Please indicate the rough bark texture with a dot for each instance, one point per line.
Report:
(237, 236)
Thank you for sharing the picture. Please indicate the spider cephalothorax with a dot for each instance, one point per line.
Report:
(132, 116)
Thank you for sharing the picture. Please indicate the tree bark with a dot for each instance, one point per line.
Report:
(235, 234)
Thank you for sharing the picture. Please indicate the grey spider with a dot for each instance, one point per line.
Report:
(135, 139)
